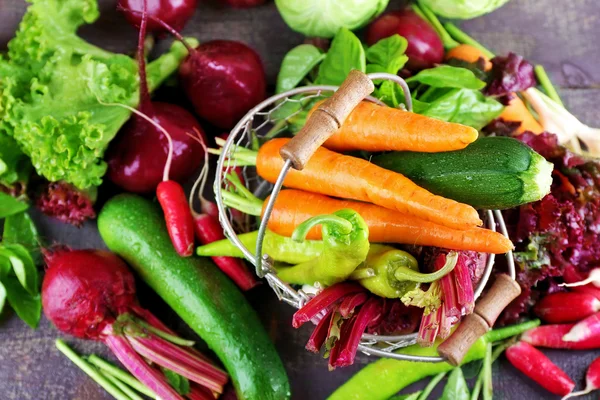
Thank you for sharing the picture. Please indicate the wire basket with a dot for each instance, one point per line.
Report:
(267, 120)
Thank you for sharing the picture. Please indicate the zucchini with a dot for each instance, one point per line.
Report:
(200, 294)
(490, 173)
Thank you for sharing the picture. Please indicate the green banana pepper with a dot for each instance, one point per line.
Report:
(345, 247)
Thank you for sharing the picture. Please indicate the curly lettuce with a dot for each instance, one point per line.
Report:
(54, 87)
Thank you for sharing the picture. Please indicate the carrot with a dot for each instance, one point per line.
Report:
(372, 127)
(468, 53)
(293, 207)
(349, 177)
(517, 111)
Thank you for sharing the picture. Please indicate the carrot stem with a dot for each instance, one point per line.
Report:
(302, 230)
(247, 206)
(546, 83)
(110, 369)
(407, 274)
(462, 37)
(430, 17)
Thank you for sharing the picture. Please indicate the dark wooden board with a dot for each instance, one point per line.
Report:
(562, 35)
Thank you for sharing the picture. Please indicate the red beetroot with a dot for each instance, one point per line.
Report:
(535, 365)
(592, 380)
(566, 307)
(65, 202)
(551, 336)
(90, 294)
(425, 47)
(174, 12)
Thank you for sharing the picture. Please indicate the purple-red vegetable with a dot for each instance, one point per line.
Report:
(91, 294)
(592, 380)
(563, 307)
(551, 336)
(174, 12)
(584, 329)
(510, 74)
(425, 47)
(535, 365)
(65, 202)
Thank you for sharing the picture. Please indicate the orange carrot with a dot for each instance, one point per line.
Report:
(348, 177)
(293, 207)
(372, 127)
(468, 53)
(517, 111)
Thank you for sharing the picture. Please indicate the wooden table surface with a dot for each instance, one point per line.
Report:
(562, 35)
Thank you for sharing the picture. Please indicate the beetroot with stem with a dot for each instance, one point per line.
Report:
(425, 47)
(174, 12)
(90, 294)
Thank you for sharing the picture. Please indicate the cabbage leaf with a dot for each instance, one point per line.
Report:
(462, 9)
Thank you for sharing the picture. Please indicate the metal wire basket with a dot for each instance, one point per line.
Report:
(265, 121)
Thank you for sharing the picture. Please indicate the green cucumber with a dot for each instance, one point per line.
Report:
(134, 228)
(490, 173)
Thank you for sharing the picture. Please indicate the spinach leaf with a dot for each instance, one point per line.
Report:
(387, 55)
(464, 106)
(9, 205)
(5, 267)
(296, 64)
(2, 296)
(345, 54)
(20, 229)
(390, 93)
(449, 77)
(178, 382)
(22, 265)
(295, 111)
(456, 388)
(28, 307)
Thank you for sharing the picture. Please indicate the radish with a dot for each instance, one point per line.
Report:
(91, 294)
(137, 157)
(551, 336)
(592, 380)
(175, 12)
(593, 278)
(584, 329)
(566, 307)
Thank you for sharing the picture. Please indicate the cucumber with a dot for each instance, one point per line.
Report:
(490, 173)
(134, 228)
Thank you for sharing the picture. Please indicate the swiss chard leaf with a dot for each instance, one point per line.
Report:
(456, 388)
(22, 265)
(464, 106)
(10, 206)
(27, 306)
(345, 54)
(296, 64)
(178, 382)
(20, 229)
(447, 76)
(387, 55)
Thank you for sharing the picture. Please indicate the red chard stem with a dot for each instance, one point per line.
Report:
(430, 325)
(351, 302)
(464, 286)
(319, 335)
(198, 392)
(368, 312)
(323, 301)
(341, 342)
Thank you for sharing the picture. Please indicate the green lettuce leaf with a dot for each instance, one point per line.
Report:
(52, 86)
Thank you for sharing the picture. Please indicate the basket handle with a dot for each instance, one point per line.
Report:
(488, 308)
(327, 119)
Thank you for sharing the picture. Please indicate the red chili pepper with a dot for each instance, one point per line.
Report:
(566, 307)
(178, 216)
(535, 365)
(585, 329)
(551, 336)
(209, 230)
(592, 380)
(323, 301)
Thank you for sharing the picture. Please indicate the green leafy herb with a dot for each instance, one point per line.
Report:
(20, 229)
(456, 388)
(387, 55)
(447, 76)
(390, 93)
(9, 205)
(61, 119)
(27, 306)
(345, 54)
(22, 265)
(178, 382)
(296, 64)
(464, 106)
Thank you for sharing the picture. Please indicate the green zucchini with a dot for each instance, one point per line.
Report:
(490, 173)
(200, 294)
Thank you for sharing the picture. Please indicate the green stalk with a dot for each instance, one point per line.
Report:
(121, 375)
(234, 179)
(245, 205)
(477, 388)
(546, 83)
(165, 335)
(509, 331)
(488, 391)
(124, 388)
(407, 274)
(431, 385)
(302, 230)
(275, 129)
(429, 16)
(462, 37)
(91, 371)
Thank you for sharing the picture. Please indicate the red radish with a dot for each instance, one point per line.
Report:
(584, 329)
(174, 12)
(178, 216)
(551, 336)
(208, 230)
(244, 3)
(90, 294)
(425, 47)
(535, 365)
(592, 380)
(137, 157)
(593, 278)
(566, 307)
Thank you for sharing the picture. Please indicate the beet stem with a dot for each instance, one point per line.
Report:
(91, 371)
(122, 386)
(165, 335)
(368, 312)
(323, 300)
(319, 334)
(145, 104)
(118, 373)
(198, 392)
(138, 367)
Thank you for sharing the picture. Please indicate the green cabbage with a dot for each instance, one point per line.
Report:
(50, 86)
(463, 9)
(323, 18)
